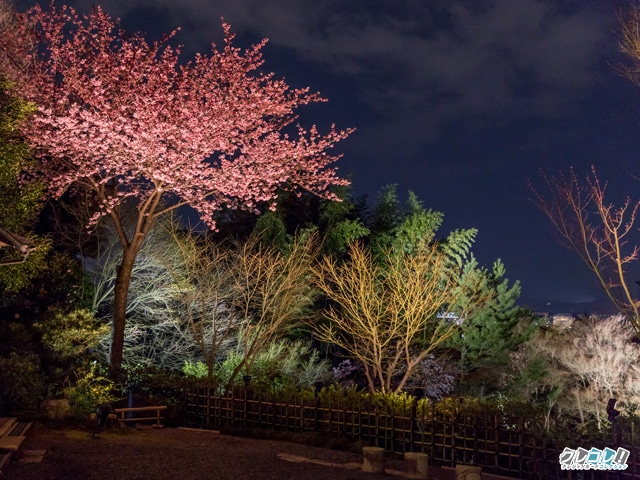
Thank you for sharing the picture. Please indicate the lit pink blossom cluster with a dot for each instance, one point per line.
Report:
(127, 119)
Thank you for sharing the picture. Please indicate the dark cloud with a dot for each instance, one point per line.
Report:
(450, 59)
(460, 100)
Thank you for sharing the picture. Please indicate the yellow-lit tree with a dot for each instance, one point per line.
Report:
(391, 313)
(273, 293)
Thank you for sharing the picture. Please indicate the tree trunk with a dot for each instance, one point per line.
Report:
(121, 296)
(235, 373)
(210, 369)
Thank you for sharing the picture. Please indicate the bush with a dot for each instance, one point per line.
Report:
(390, 403)
(90, 389)
(195, 369)
(72, 334)
(434, 378)
(284, 365)
(22, 385)
(155, 385)
(584, 366)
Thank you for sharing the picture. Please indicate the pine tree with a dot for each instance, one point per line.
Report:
(486, 338)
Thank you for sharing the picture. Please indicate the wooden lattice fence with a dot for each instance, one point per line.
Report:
(508, 445)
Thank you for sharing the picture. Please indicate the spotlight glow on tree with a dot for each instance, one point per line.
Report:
(126, 120)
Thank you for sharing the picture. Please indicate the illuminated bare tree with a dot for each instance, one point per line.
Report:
(589, 364)
(629, 42)
(203, 291)
(191, 297)
(179, 306)
(273, 293)
(386, 314)
(157, 331)
(598, 231)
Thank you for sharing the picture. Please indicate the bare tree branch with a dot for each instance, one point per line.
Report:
(386, 315)
(21, 244)
(273, 293)
(598, 231)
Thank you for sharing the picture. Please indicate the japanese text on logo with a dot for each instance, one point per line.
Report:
(594, 459)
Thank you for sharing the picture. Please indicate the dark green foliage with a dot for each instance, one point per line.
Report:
(486, 338)
(19, 202)
(17, 277)
(58, 283)
(271, 230)
(70, 335)
(408, 228)
(384, 220)
(154, 386)
(418, 227)
(22, 384)
(458, 246)
(26, 365)
(338, 224)
(22, 380)
(341, 234)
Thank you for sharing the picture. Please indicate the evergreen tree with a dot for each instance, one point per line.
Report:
(408, 228)
(339, 224)
(385, 218)
(486, 338)
(336, 222)
(271, 230)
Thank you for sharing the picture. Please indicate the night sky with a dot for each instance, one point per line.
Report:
(461, 101)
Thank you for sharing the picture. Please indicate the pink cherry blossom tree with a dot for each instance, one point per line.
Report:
(128, 121)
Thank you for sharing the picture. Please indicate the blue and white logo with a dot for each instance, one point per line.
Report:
(594, 459)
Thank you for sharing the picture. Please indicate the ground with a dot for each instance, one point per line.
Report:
(71, 453)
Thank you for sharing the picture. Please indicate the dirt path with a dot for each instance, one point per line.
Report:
(131, 454)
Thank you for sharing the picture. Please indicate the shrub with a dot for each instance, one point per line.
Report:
(155, 386)
(195, 369)
(90, 389)
(72, 334)
(435, 378)
(22, 385)
(393, 403)
(346, 373)
(283, 365)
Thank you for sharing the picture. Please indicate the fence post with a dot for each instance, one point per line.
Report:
(521, 446)
(433, 428)
(393, 430)
(273, 417)
(245, 407)
(301, 402)
(315, 414)
(208, 415)
(412, 421)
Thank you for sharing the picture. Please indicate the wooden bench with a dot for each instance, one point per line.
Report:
(123, 411)
(12, 437)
